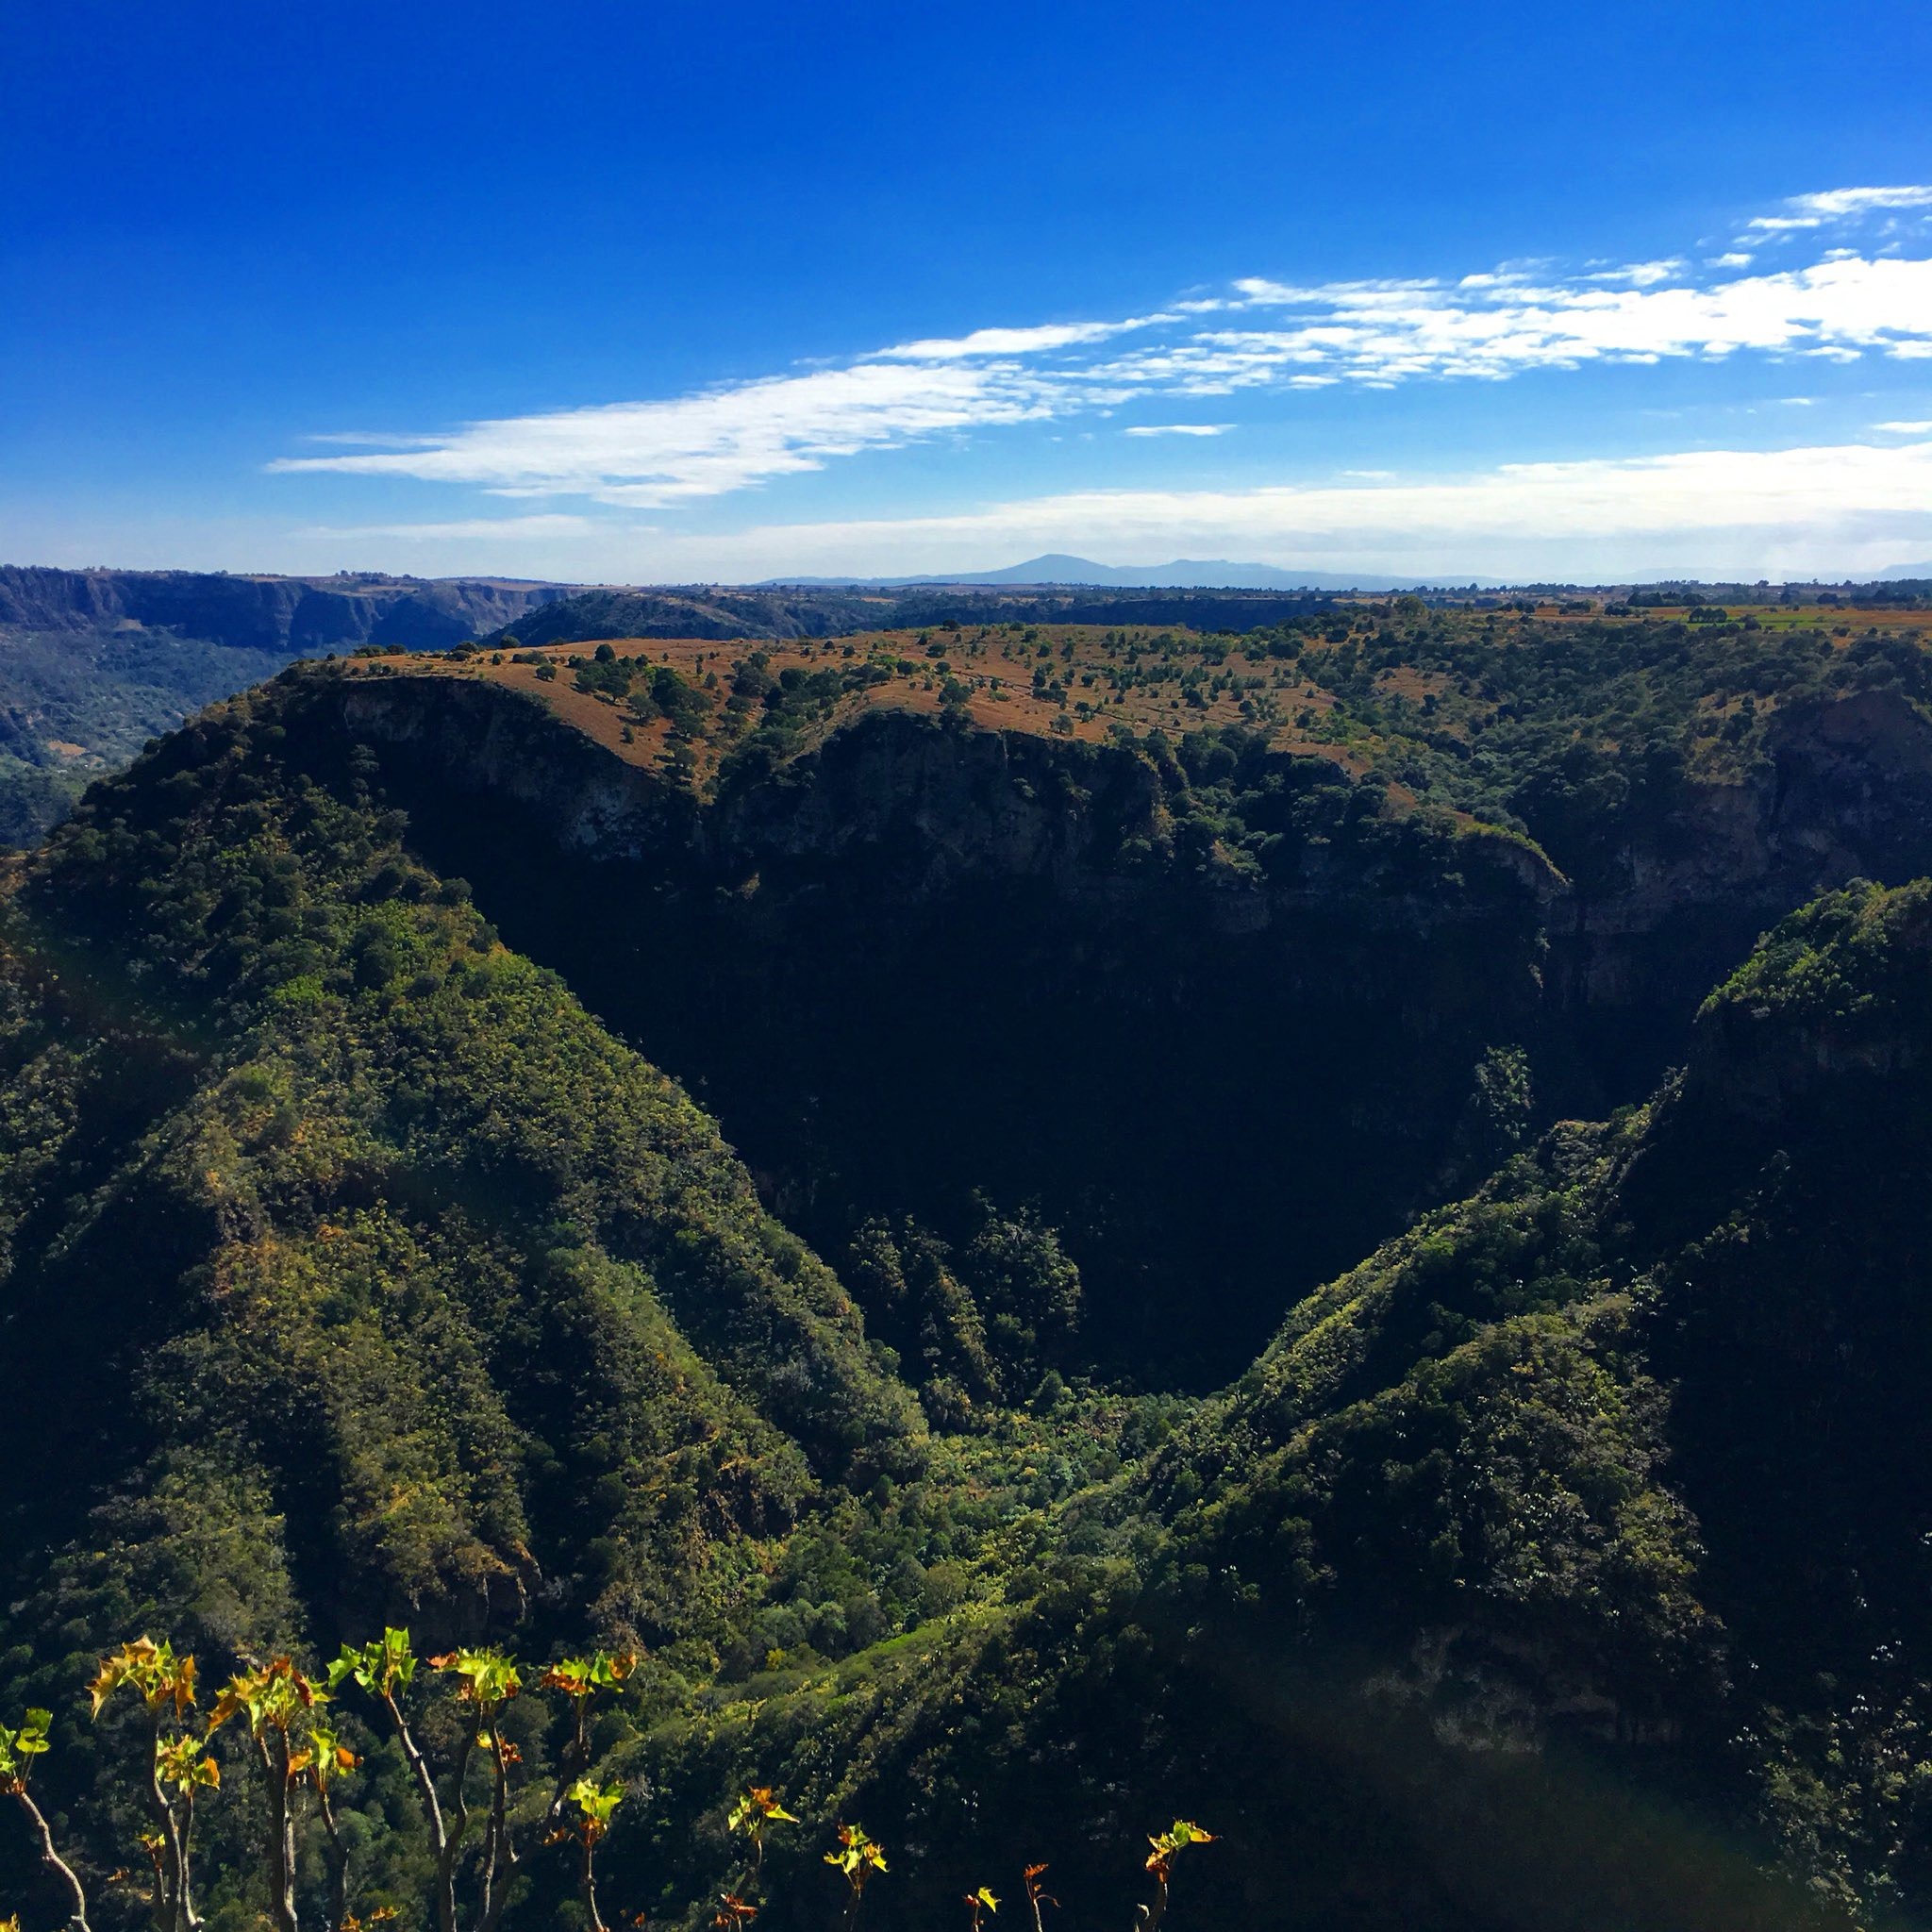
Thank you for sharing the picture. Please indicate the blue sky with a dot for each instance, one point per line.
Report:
(677, 292)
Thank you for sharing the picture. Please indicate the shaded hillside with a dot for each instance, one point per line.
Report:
(1549, 1567)
(938, 961)
(1628, 1447)
(350, 1050)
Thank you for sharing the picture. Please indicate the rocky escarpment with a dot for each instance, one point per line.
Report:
(1843, 792)
(939, 803)
(290, 615)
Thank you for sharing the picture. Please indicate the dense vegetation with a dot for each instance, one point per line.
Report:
(1583, 734)
(1561, 1563)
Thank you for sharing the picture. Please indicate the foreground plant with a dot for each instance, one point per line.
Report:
(580, 1678)
(758, 1808)
(178, 1767)
(857, 1857)
(1033, 1879)
(488, 1681)
(980, 1903)
(322, 1762)
(271, 1702)
(19, 1747)
(385, 1667)
(595, 1805)
(1171, 1843)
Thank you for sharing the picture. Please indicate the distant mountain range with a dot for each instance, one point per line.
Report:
(1185, 574)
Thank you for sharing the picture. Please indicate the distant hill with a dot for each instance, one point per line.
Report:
(94, 662)
(689, 611)
(1214, 574)
(296, 615)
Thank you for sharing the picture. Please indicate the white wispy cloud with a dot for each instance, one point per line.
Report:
(1641, 274)
(1840, 204)
(1261, 335)
(1398, 331)
(1016, 341)
(1905, 428)
(653, 454)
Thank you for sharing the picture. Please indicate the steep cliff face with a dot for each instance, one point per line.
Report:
(280, 614)
(937, 803)
(1844, 791)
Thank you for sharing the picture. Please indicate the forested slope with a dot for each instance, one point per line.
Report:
(1561, 1564)
(1558, 1566)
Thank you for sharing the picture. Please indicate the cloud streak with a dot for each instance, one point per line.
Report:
(1259, 336)
(651, 455)
(1701, 489)
(1840, 203)
(1826, 510)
